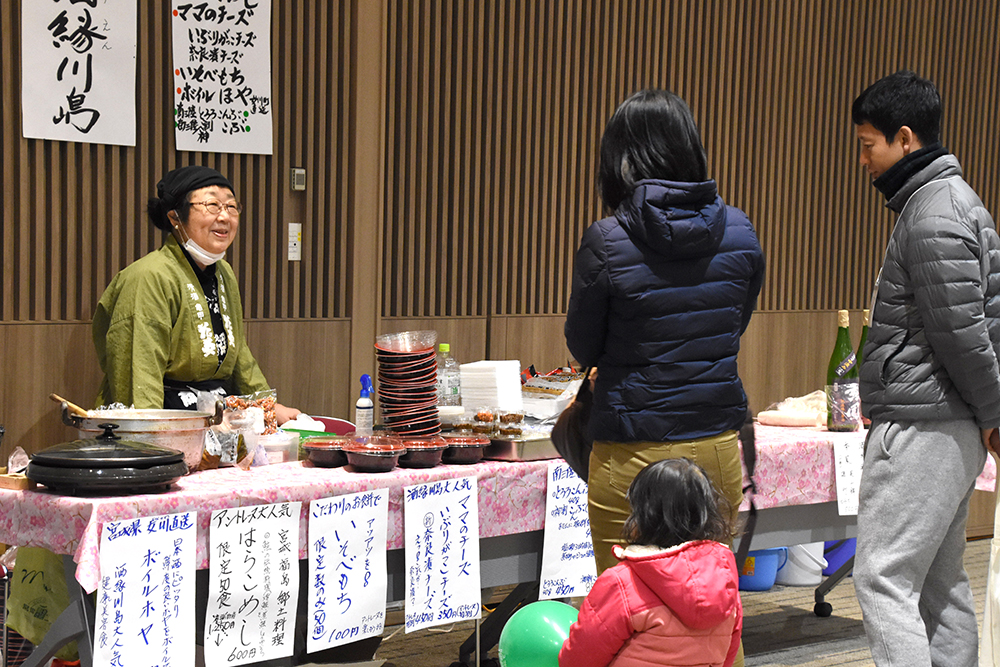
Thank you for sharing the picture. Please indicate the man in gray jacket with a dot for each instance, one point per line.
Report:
(930, 383)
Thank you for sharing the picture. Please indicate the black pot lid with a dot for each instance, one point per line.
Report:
(107, 451)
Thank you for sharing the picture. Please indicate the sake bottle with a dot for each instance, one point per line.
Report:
(865, 321)
(864, 337)
(843, 404)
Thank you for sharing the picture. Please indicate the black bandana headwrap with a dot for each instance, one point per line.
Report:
(174, 186)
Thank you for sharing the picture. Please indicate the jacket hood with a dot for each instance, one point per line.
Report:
(677, 220)
(696, 580)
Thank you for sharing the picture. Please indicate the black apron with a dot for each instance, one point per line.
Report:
(184, 395)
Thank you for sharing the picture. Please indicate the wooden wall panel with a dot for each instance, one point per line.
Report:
(514, 96)
(73, 213)
(307, 363)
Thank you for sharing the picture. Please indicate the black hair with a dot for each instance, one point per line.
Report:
(673, 501)
(901, 98)
(157, 210)
(652, 134)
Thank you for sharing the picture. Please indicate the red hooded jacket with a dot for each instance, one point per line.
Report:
(677, 606)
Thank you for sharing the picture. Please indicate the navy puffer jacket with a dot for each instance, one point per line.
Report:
(662, 292)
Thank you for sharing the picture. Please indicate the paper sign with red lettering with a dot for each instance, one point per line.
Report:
(221, 76)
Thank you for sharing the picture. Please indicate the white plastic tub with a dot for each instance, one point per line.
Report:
(803, 567)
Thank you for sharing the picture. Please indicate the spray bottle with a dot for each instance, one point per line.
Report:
(364, 409)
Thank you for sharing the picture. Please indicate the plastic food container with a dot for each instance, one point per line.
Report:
(423, 452)
(325, 451)
(280, 447)
(465, 449)
(376, 453)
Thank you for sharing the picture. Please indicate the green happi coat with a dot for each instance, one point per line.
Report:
(153, 323)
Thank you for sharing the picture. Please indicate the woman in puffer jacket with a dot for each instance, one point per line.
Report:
(673, 598)
(662, 291)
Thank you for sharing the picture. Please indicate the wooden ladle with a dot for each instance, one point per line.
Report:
(73, 407)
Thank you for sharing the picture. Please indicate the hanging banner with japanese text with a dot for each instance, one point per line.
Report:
(78, 70)
(253, 583)
(441, 529)
(347, 568)
(568, 565)
(145, 602)
(222, 75)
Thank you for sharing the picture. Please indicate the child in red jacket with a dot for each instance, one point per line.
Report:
(673, 599)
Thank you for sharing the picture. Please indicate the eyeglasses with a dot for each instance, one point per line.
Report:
(215, 208)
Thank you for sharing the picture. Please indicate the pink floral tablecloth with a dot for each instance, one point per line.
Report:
(795, 466)
(511, 500)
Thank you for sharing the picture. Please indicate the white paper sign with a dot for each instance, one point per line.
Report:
(347, 568)
(145, 602)
(78, 70)
(848, 458)
(253, 584)
(222, 75)
(441, 528)
(568, 565)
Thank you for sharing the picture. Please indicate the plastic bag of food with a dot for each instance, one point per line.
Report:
(264, 400)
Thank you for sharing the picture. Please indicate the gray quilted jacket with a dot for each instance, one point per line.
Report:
(934, 341)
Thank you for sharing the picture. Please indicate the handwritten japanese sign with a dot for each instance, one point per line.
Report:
(222, 75)
(441, 529)
(253, 584)
(568, 565)
(347, 568)
(78, 70)
(848, 457)
(145, 602)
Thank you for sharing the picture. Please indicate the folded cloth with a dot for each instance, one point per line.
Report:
(808, 410)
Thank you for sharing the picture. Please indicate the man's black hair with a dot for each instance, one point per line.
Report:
(899, 99)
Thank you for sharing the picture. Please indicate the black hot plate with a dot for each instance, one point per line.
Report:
(107, 465)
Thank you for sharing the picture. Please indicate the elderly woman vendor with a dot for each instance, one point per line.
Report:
(171, 323)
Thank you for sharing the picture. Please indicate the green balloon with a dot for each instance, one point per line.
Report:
(533, 636)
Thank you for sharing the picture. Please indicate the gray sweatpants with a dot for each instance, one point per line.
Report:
(914, 593)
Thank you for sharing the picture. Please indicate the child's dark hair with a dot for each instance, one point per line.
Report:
(673, 501)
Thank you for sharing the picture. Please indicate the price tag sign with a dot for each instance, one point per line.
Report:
(441, 528)
(145, 603)
(848, 458)
(568, 565)
(253, 584)
(347, 569)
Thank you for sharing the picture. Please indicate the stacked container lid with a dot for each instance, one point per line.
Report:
(407, 382)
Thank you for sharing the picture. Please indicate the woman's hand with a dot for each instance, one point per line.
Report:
(284, 413)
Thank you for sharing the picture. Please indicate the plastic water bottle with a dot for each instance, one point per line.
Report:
(449, 379)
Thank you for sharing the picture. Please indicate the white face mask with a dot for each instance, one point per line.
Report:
(201, 255)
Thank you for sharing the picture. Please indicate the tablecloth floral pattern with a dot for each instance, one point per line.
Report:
(795, 466)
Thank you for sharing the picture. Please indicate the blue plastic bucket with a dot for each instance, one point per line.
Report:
(761, 567)
(836, 553)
